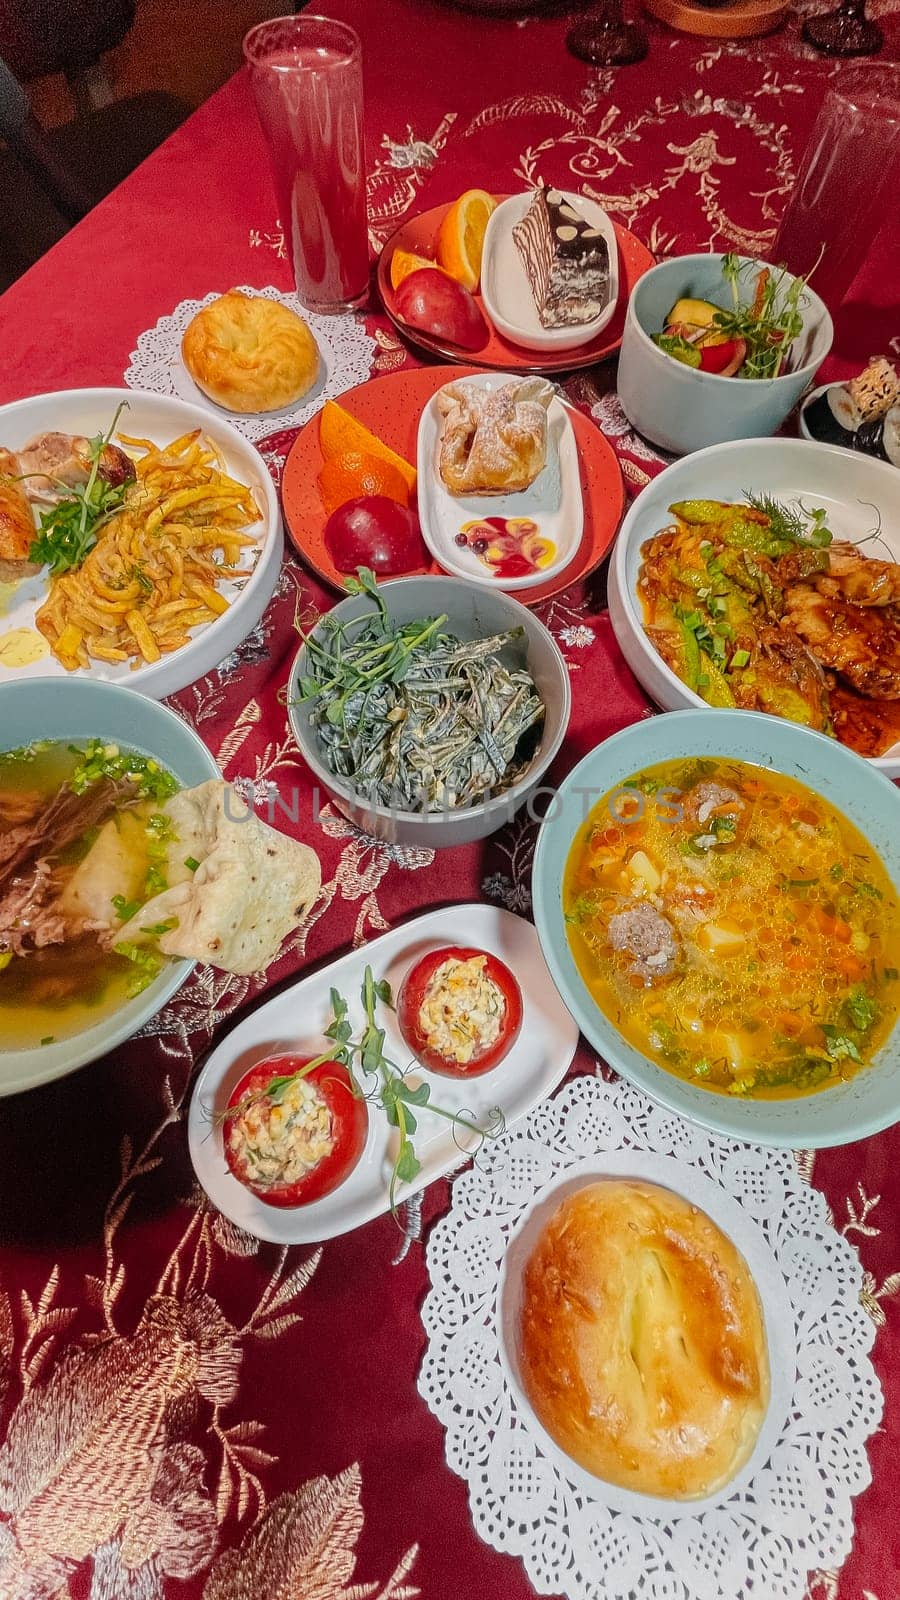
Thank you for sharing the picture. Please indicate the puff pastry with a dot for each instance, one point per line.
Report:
(250, 354)
(642, 1341)
(493, 442)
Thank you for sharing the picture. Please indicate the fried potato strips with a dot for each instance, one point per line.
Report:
(152, 576)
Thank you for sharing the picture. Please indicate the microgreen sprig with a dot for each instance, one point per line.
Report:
(769, 323)
(68, 531)
(342, 671)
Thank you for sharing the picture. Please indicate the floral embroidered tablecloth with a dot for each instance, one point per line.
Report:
(185, 1412)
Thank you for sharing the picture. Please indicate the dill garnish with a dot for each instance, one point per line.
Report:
(792, 524)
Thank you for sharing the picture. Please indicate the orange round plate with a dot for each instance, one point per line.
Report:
(418, 235)
(391, 407)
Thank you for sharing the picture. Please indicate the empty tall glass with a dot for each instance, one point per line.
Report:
(847, 183)
(306, 76)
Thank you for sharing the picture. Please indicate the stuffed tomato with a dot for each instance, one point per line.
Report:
(459, 1011)
(292, 1136)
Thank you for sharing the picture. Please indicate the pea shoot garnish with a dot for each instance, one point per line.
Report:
(68, 531)
(769, 322)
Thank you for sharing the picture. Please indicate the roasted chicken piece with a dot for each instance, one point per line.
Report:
(17, 528)
(862, 643)
(52, 464)
(842, 571)
(861, 579)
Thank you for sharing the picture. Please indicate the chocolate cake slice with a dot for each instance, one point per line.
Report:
(566, 259)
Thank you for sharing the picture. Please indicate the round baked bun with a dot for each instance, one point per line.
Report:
(250, 354)
(643, 1347)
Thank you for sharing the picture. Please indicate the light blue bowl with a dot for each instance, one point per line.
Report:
(683, 409)
(867, 1103)
(78, 709)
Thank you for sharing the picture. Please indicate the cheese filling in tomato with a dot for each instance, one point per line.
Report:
(280, 1141)
(463, 1010)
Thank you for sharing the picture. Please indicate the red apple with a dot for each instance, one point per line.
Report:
(375, 532)
(430, 300)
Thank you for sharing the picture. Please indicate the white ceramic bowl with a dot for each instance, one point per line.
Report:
(727, 1213)
(506, 291)
(554, 501)
(161, 418)
(472, 612)
(853, 488)
(682, 409)
(81, 709)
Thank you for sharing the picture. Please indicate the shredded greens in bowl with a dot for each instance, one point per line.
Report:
(413, 717)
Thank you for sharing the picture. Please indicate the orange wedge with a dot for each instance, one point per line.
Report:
(460, 239)
(341, 434)
(356, 473)
(403, 262)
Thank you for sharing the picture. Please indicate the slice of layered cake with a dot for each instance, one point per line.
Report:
(566, 259)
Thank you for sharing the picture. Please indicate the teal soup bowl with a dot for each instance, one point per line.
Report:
(78, 710)
(837, 1114)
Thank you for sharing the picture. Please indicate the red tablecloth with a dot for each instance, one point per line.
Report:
(186, 1412)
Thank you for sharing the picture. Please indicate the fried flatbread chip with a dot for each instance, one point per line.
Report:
(252, 885)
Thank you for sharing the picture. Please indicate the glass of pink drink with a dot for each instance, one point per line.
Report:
(847, 183)
(306, 76)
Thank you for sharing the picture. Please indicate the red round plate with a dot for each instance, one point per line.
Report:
(418, 235)
(391, 407)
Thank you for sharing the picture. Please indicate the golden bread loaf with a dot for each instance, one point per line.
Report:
(250, 354)
(643, 1346)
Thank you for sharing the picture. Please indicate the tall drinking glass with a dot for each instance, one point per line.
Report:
(306, 76)
(848, 181)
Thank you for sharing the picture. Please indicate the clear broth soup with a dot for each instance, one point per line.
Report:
(50, 991)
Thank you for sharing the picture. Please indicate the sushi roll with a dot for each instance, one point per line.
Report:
(860, 415)
(881, 437)
(824, 423)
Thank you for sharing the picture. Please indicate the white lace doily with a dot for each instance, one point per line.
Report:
(345, 347)
(795, 1513)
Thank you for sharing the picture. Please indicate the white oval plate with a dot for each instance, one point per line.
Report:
(505, 288)
(855, 490)
(293, 1021)
(554, 500)
(161, 418)
(744, 1234)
